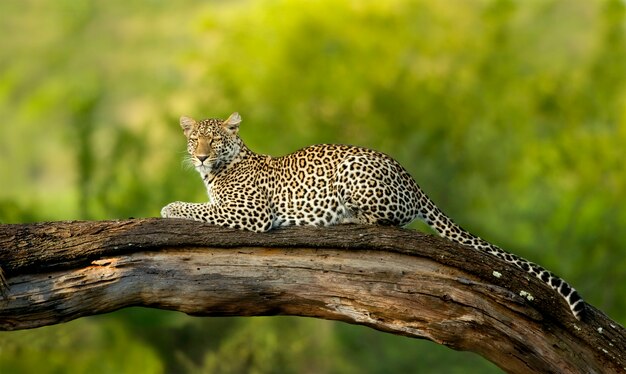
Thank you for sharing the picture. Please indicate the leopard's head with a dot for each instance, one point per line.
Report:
(212, 143)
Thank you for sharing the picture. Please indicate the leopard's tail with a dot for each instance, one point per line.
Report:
(446, 228)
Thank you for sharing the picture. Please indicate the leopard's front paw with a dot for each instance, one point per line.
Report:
(173, 210)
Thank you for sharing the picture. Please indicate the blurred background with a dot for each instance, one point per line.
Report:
(510, 114)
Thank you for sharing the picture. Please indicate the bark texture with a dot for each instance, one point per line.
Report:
(394, 280)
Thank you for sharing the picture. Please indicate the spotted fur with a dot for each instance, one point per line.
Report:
(320, 185)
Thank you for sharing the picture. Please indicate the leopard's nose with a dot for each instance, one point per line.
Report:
(201, 158)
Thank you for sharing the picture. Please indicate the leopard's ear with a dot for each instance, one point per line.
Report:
(231, 124)
(187, 124)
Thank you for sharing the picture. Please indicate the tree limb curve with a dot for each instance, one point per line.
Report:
(391, 279)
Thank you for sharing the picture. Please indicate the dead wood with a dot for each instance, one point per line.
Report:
(394, 280)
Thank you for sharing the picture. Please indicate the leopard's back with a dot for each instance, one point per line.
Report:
(330, 184)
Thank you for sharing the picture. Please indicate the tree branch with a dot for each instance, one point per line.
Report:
(394, 280)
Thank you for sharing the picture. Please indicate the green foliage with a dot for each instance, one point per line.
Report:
(81, 346)
(511, 115)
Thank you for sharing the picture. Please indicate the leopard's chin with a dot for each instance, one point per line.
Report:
(204, 169)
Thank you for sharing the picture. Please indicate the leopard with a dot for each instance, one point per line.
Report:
(320, 185)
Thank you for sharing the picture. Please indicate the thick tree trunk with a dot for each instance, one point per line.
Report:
(394, 280)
